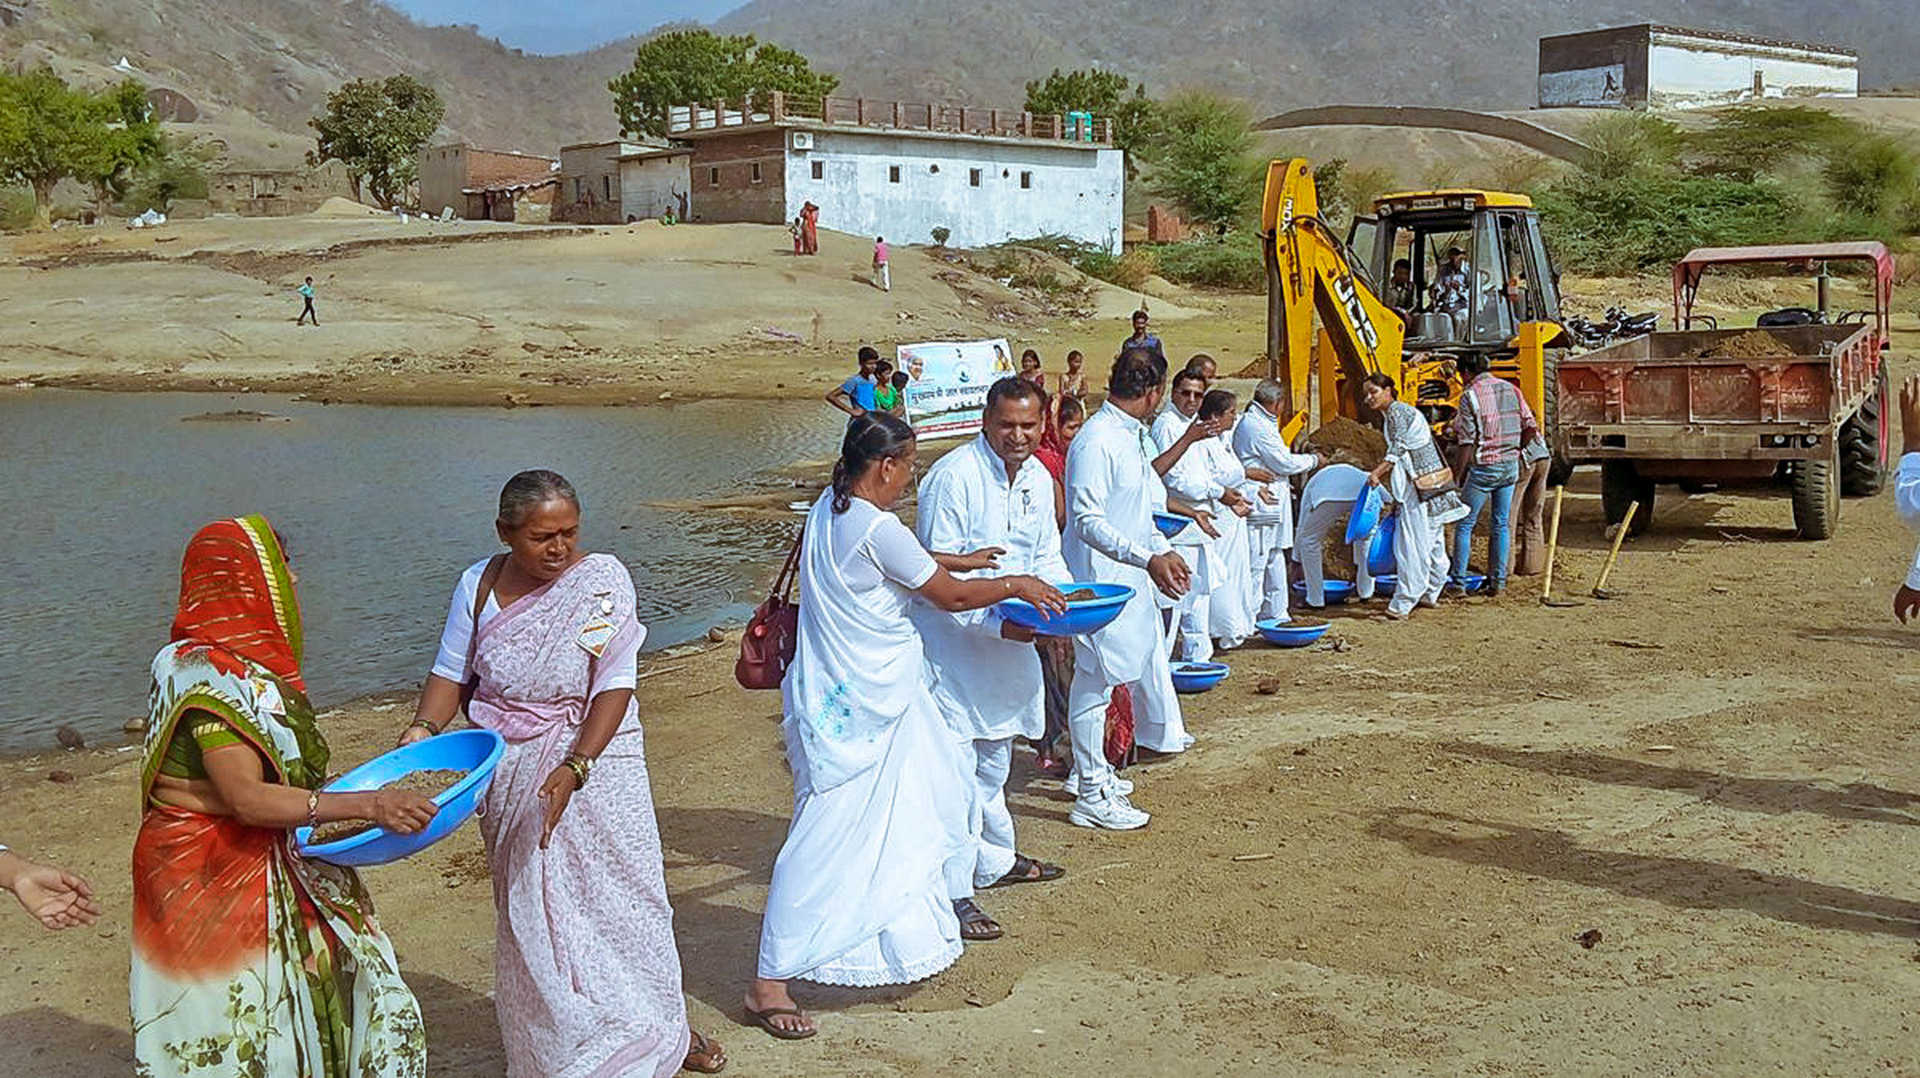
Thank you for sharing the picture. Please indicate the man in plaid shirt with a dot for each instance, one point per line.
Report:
(1492, 424)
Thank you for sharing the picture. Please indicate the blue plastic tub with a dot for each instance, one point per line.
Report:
(1366, 512)
(477, 752)
(1293, 634)
(1334, 591)
(1170, 524)
(1384, 583)
(1198, 677)
(1082, 616)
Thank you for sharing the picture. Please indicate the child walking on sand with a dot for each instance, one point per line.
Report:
(307, 311)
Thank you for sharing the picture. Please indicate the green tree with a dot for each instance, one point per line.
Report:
(181, 170)
(376, 128)
(50, 131)
(688, 67)
(1203, 159)
(1136, 117)
(1877, 176)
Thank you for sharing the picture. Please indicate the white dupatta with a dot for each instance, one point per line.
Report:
(858, 664)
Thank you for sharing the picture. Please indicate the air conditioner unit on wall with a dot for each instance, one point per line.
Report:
(802, 140)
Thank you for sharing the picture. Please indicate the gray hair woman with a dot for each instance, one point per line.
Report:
(545, 637)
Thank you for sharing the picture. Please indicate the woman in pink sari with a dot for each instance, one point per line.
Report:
(586, 976)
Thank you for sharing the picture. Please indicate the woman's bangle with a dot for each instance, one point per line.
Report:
(424, 725)
(580, 766)
(313, 808)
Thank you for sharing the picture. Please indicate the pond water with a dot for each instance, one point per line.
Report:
(381, 507)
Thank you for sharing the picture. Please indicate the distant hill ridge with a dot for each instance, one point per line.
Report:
(272, 62)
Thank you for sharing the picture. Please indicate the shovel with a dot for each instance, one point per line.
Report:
(1553, 542)
(1600, 589)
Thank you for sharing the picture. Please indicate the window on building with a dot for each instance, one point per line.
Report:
(1026, 181)
(713, 177)
(819, 170)
(973, 177)
(756, 172)
(893, 173)
(606, 187)
(579, 189)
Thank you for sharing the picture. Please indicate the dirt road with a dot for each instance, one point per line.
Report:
(1383, 869)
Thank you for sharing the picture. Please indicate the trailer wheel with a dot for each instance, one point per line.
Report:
(1863, 444)
(1620, 486)
(1816, 496)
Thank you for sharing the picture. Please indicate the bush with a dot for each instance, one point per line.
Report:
(941, 235)
(16, 209)
(1875, 176)
(1625, 224)
(1233, 261)
(1129, 271)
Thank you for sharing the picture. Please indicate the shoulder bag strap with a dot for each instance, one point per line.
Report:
(488, 578)
(790, 572)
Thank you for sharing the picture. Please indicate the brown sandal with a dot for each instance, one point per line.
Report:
(704, 1055)
(764, 1019)
(975, 925)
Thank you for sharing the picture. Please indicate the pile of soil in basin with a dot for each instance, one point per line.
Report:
(425, 783)
(1347, 441)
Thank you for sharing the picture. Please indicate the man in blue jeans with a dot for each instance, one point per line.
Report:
(1488, 431)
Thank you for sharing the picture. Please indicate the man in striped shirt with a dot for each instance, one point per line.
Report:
(1488, 431)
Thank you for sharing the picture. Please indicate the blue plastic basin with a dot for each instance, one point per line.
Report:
(1198, 677)
(1082, 616)
(1292, 635)
(1169, 524)
(476, 752)
(1366, 512)
(1384, 583)
(1334, 591)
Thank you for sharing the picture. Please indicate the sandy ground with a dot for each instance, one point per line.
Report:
(1381, 869)
(485, 313)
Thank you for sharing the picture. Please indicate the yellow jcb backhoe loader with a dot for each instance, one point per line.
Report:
(1476, 278)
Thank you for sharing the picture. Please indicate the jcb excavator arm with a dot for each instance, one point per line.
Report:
(1308, 270)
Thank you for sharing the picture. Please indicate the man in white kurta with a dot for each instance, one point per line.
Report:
(991, 492)
(1257, 441)
(1325, 504)
(1186, 481)
(1234, 600)
(1112, 488)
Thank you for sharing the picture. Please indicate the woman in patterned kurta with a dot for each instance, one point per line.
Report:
(247, 960)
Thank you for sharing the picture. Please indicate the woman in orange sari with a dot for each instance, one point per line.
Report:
(247, 959)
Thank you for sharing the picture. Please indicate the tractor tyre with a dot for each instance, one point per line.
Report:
(1620, 486)
(1816, 496)
(1863, 444)
(1559, 468)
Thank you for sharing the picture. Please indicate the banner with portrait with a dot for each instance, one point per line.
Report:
(947, 383)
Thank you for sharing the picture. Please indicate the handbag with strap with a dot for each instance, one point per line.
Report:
(772, 634)
(488, 578)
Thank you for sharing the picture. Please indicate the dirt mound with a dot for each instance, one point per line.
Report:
(343, 207)
(1753, 344)
(1347, 441)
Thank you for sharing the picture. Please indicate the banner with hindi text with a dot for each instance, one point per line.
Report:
(948, 382)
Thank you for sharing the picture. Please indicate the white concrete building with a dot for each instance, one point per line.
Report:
(655, 179)
(900, 171)
(1656, 66)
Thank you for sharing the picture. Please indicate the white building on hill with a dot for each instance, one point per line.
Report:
(901, 170)
(1655, 66)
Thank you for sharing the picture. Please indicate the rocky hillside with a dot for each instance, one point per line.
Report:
(265, 66)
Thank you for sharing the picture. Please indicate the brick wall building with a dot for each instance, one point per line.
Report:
(448, 172)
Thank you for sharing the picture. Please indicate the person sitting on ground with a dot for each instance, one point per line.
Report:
(855, 396)
(53, 896)
(1143, 339)
(862, 892)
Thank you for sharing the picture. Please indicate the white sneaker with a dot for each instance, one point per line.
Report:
(1115, 783)
(1111, 811)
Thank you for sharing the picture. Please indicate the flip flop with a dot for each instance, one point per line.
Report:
(1023, 872)
(764, 1019)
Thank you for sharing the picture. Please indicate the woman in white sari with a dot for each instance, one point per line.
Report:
(1419, 482)
(882, 791)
